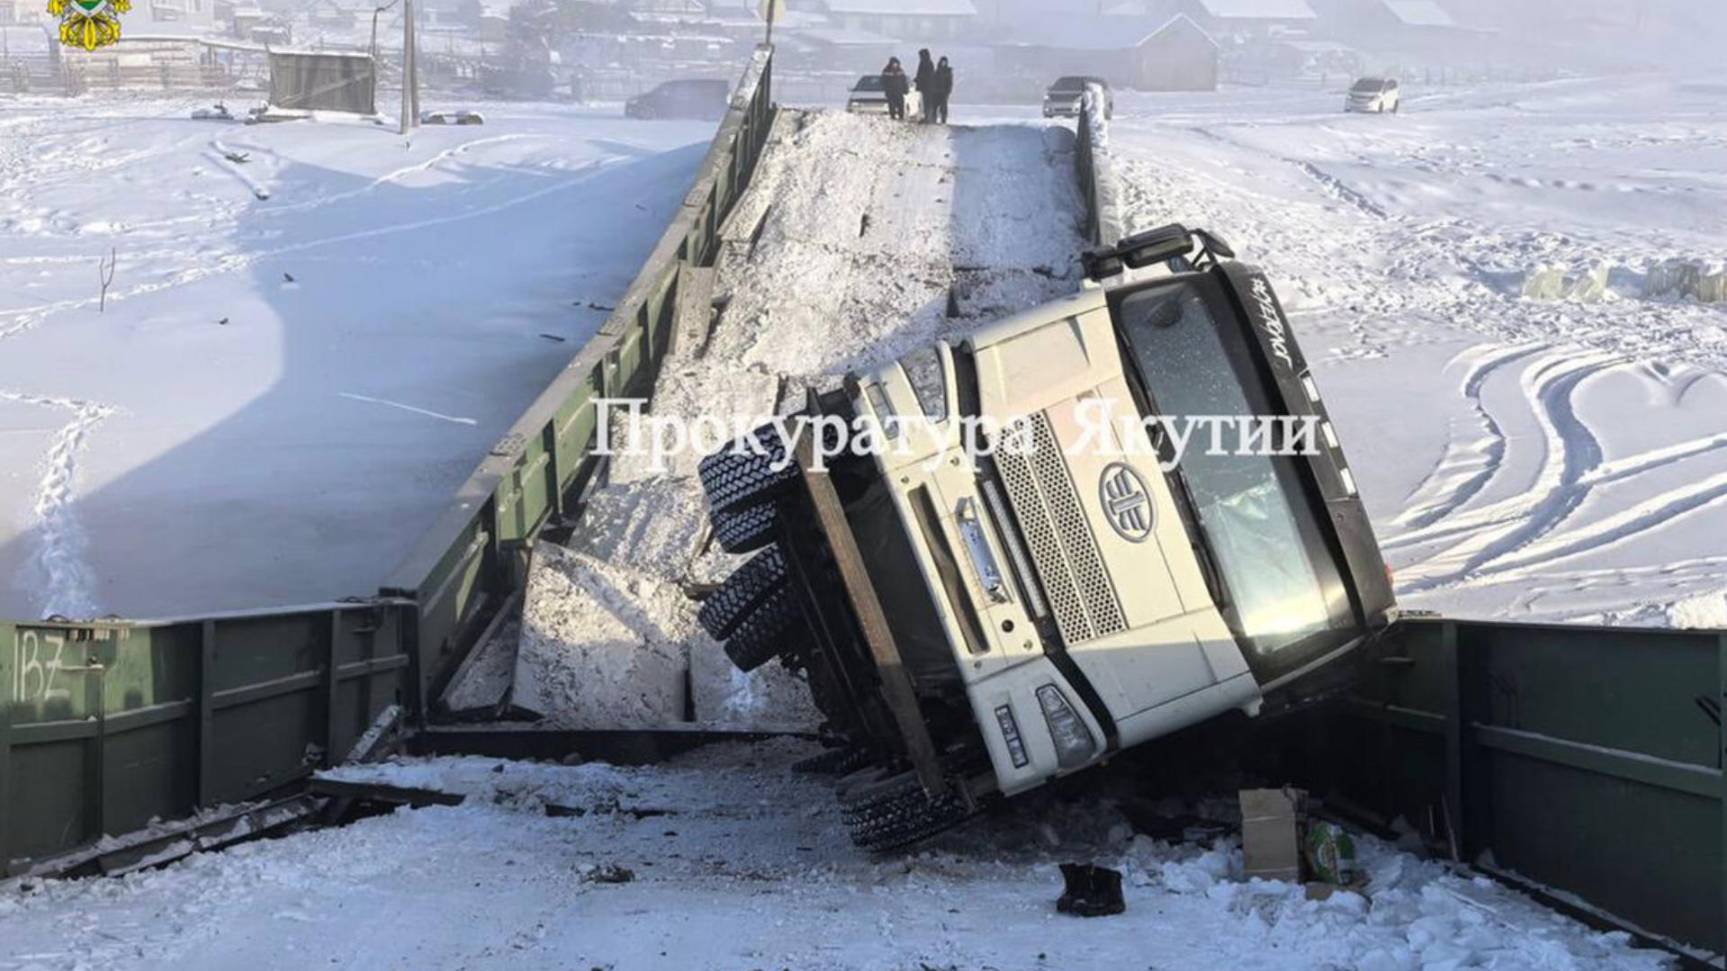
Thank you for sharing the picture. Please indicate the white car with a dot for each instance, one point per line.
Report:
(1375, 95)
(868, 97)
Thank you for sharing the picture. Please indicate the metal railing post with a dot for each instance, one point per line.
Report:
(332, 681)
(1456, 738)
(8, 648)
(95, 705)
(206, 707)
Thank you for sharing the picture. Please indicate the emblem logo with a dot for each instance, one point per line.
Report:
(89, 23)
(1126, 502)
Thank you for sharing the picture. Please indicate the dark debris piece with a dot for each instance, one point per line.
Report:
(1092, 891)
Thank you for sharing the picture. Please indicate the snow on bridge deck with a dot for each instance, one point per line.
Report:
(865, 227)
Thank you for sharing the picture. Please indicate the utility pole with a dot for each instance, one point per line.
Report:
(770, 10)
(410, 71)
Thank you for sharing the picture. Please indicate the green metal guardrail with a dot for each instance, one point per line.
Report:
(1583, 759)
(474, 556)
(1097, 185)
(112, 725)
(108, 726)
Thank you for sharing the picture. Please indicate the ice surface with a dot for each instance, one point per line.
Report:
(302, 354)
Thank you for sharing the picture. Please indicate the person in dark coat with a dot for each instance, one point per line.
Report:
(895, 86)
(943, 89)
(926, 83)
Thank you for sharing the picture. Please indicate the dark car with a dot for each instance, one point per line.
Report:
(1063, 98)
(701, 100)
(869, 96)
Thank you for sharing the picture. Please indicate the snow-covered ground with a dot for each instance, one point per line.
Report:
(312, 335)
(1523, 457)
(738, 863)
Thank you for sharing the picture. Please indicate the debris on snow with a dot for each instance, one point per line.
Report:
(756, 872)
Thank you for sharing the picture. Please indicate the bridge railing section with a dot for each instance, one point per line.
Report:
(1097, 183)
(113, 726)
(1583, 759)
(473, 558)
(108, 727)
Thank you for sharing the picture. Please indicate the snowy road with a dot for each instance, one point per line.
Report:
(1523, 457)
(312, 335)
(739, 864)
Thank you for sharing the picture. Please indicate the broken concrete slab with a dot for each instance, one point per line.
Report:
(601, 645)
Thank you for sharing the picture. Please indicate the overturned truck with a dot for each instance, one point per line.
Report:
(1003, 559)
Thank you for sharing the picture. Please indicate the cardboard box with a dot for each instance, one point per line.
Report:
(1271, 833)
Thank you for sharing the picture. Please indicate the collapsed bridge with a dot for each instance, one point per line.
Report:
(811, 243)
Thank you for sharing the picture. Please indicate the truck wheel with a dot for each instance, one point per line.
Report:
(882, 812)
(743, 474)
(834, 761)
(742, 593)
(766, 633)
(745, 530)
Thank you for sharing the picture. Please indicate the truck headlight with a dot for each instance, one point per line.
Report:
(1074, 745)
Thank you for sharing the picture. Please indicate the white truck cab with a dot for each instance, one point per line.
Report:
(1054, 555)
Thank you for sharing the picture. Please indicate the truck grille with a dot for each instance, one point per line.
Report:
(1062, 547)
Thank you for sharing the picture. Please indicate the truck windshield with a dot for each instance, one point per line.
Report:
(1278, 576)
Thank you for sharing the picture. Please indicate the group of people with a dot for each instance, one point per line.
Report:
(933, 81)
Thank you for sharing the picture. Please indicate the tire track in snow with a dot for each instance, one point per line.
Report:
(1466, 467)
(1379, 274)
(1625, 524)
(1510, 540)
(1572, 452)
(1340, 190)
(65, 585)
(1330, 184)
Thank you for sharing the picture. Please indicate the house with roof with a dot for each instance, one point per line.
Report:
(907, 20)
(336, 14)
(1174, 55)
(1385, 18)
(171, 18)
(1247, 18)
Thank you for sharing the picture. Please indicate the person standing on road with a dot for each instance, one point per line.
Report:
(926, 83)
(943, 89)
(894, 86)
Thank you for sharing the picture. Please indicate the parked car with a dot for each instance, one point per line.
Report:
(1064, 97)
(1376, 95)
(698, 100)
(974, 623)
(869, 97)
